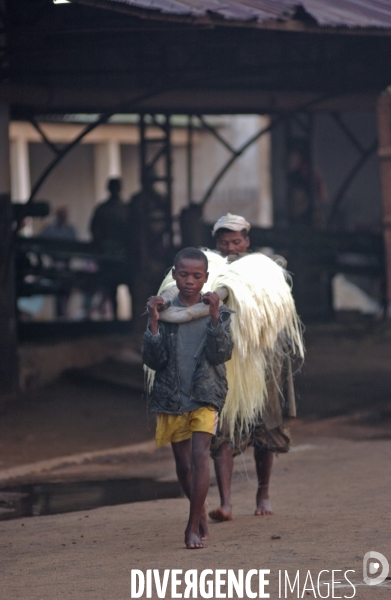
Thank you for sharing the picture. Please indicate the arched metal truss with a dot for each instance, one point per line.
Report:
(365, 154)
(61, 153)
(235, 153)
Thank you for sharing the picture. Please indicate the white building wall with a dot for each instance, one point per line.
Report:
(70, 184)
(246, 187)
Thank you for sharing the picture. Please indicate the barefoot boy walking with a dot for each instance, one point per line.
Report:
(190, 383)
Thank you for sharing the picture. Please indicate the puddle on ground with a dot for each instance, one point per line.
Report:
(53, 498)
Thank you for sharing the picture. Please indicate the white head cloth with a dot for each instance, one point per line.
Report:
(233, 222)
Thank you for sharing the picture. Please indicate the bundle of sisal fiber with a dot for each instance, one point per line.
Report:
(264, 326)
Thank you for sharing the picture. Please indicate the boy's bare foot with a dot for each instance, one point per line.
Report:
(204, 529)
(223, 513)
(263, 507)
(193, 541)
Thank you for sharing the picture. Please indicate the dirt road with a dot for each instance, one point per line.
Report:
(331, 493)
(331, 501)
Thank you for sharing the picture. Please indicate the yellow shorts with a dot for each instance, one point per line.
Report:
(177, 428)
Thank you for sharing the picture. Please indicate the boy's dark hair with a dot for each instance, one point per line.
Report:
(194, 254)
(244, 232)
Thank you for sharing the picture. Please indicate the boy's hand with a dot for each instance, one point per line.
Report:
(213, 299)
(154, 305)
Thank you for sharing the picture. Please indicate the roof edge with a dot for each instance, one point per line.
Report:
(212, 20)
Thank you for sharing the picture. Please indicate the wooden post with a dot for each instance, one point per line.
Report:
(384, 152)
(8, 340)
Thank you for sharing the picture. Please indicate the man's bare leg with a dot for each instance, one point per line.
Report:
(192, 465)
(224, 464)
(264, 462)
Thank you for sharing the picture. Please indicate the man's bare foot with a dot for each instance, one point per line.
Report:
(263, 507)
(204, 529)
(221, 514)
(193, 541)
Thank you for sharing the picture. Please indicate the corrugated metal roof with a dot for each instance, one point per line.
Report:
(334, 13)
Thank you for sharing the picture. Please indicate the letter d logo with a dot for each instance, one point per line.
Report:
(373, 567)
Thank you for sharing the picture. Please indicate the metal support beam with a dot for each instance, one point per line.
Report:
(8, 343)
(150, 213)
(60, 155)
(384, 130)
(364, 153)
(189, 153)
(44, 137)
(234, 156)
(9, 375)
(236, 153)
(155, 168)
(347, 131)
(124, 107)
(340, 195)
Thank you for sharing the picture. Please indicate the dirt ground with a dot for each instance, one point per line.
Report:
(330, 494)
(347, 369)
(331, 501)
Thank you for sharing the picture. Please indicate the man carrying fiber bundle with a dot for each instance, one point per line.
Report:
(268, 435)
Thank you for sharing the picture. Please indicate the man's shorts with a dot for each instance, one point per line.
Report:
(276, 440)
(177, 428)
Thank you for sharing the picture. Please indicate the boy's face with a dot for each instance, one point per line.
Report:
(232, 242)
(190, 276)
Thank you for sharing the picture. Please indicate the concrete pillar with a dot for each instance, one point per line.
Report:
(107, 164)
(252, 171)
(20, 170)
(265, 207)
(8, 339)
(384, 132)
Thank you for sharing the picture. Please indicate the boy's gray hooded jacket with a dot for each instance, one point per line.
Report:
(209, 384)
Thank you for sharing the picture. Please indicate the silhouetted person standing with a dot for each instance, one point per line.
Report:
(109, 221)
(60, 229)
(109, 229)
